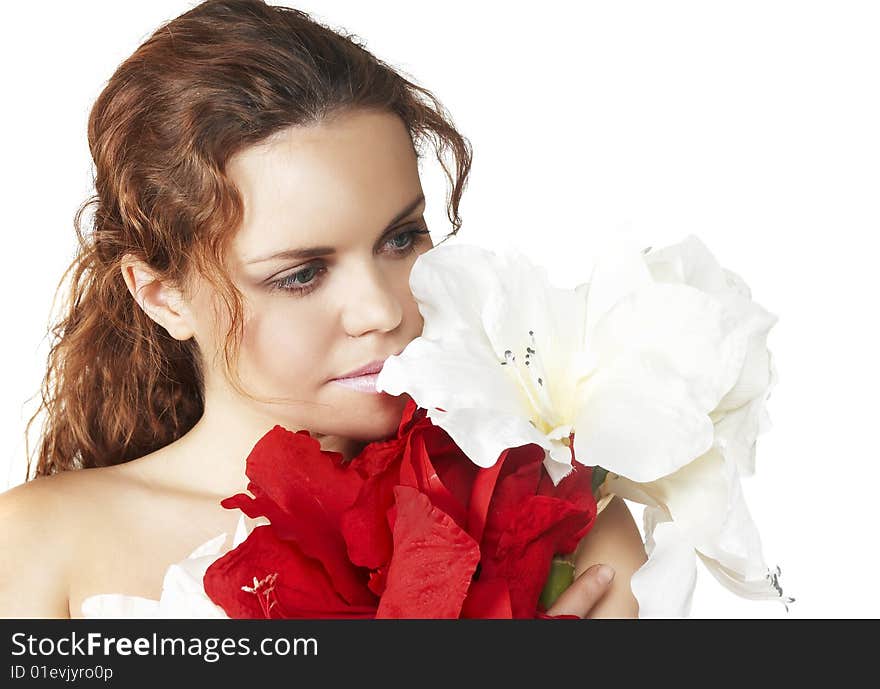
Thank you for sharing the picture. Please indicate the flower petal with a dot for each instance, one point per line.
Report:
(292, 471)
(618, 270)
(450, 374)
(681, 326)
(741, 415)
(487, 599)
(303, 491)
(706, 504)
(364, 526)
(641, 421)
(529, 521)
(302, 582)
(664, 585)
(449, 283)
(558, 461)
(483, 434)
(433, 562)
(766, 587)
(538, 329)
(311, 535)
(737, 428)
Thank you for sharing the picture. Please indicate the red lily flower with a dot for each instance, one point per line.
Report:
(409, 528)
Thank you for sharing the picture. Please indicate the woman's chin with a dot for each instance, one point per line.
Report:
(377, 418)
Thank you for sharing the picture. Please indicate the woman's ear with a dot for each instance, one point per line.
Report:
(162, 303)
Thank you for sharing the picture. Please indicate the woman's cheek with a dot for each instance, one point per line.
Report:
(287, 359)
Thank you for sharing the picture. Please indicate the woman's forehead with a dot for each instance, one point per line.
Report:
(313, 184)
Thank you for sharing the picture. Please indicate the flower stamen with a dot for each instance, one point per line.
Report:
(531, 380)
(264, 590)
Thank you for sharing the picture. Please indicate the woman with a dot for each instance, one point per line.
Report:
(258, 211)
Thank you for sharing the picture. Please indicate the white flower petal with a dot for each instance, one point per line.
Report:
(766, 587)
(483, 434)
(449, 282)
(741, 414)
(704, 500)
(691, 263)
(736, 432)
(541, 327)
(754, 376)
(696, 497)
(737, 544)
(639, 419)
(625, 488)
(557, 461)
(618, 270)
(664, 585)
(452, 376)
(680, 325)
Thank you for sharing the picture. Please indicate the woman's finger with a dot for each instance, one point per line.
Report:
(584, 592)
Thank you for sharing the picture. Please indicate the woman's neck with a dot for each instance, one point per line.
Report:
(212, 456)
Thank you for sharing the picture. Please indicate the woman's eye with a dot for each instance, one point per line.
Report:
(301, 281)
(409, 239)
(305, 280)
(406, 238)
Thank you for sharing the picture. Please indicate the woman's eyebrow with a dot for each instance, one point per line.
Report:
(313, 251)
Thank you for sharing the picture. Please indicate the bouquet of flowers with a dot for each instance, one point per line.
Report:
(655, 373)
(530, 407)
(409, 528)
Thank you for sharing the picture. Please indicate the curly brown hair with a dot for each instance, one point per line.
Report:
(223, 76)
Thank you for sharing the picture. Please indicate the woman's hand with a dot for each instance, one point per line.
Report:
(584, 592)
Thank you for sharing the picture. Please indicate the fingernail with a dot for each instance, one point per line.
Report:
(604, 574)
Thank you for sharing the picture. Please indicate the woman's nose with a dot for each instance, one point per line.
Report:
(373, 304)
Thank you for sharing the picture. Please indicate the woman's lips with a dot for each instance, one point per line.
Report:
(365, 383)
(364, 378)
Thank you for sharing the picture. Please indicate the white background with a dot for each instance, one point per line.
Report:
(753, 125)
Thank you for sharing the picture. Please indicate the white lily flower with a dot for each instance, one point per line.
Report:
(700, 510)
(658, 367)
(631, 366)
(742, 415)
(697, 511)
(183, 594)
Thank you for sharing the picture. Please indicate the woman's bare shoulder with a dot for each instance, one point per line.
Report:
(57, 498)
(45, 522)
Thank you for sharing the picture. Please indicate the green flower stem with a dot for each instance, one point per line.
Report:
(560, 578)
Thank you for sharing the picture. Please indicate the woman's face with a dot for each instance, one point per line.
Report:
(334, 220)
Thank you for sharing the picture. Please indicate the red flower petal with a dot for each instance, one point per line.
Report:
(481, 496)
(417, 471)
(303, 491)
(301, 582)
(315, 539)
(378, 580)
(433, 563)
(517, 481)
(487, 599)
(526, 546)
(377, 457)
(577, 490)
(412, 414)
(294, 472)
(365, 527)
